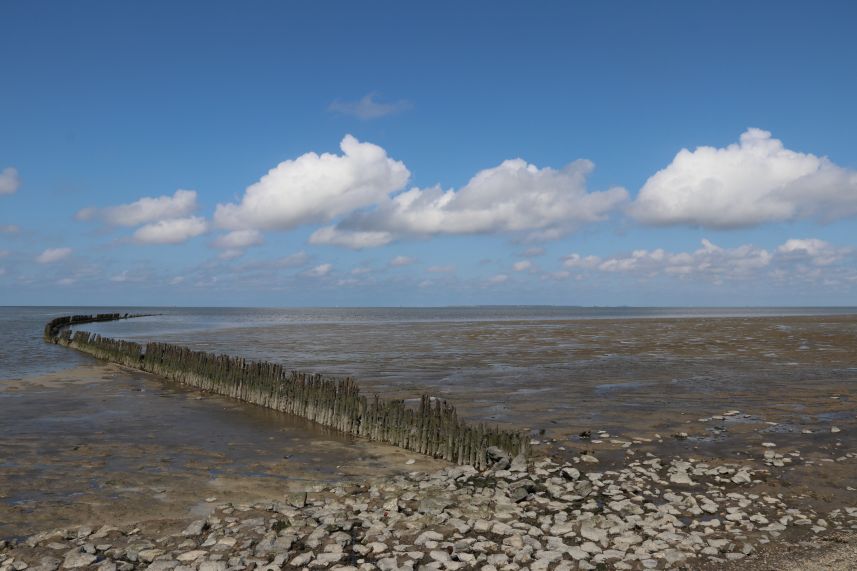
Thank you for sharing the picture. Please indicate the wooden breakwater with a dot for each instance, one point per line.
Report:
(433, 428)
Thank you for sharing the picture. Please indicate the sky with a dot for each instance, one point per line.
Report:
(445, 153)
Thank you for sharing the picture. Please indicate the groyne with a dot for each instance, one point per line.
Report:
(432, 428)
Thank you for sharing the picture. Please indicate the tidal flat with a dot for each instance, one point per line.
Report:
(671, 424)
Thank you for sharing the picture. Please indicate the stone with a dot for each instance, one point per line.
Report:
(433, 505)
(76, 559)
(681, 478)
(195, 528)
(297, 499)
(149, 555)
(570, 473)
(191, 555)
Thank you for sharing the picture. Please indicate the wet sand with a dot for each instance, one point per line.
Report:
(99, 443)
(636, 379)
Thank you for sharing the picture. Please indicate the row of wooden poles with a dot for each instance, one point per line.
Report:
(433, 428)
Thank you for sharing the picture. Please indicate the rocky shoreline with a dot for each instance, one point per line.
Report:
(650, 512)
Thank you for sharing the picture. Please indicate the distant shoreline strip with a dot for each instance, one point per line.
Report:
(433, 428)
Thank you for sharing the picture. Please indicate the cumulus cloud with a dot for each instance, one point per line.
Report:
(754, 181)
(144, 211)
(9, 229)
(513, 197)
(815, 251)
(9, 180)
(172, 231)
(400, 261)
(360, 198)
(498, 279)
(315, 188)
(368, 107)
(713, 262)
(522, 265)
(52, 255)
(356, 240)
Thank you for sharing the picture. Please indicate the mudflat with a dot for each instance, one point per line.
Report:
(658, 443)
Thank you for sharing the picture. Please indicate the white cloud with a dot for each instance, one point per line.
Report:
(9, 229)
(498, 279)
(532, 252)
(522, 265)
(319, 271)
(577, 261)
(751, 182)
(126, 276)
(811, 246)
(230, 254)
(177, 280)
(356, 240)
(173, 231)
(144, 211)
(234, 243)
(360, 197)
(710, 259)
(315, 188)
(400, 261)
(817, 252)
(52, 255)
(711, 262)
(513, 197)
(368, 107)
(238, 239)
(9, 180)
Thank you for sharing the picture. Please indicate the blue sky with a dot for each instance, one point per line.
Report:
(605, 153)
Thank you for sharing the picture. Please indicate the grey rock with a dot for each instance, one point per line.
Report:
(76, 559)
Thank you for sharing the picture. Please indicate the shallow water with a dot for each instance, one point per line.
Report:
(125, 441)
(538, 367)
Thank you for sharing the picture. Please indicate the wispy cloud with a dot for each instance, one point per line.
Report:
(319, 271)
(368, 107)
(9, 180)
(145, 210)
(400, 261)
(173, 231)
(52, 255)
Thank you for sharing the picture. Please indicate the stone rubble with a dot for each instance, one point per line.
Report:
(650, 514)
